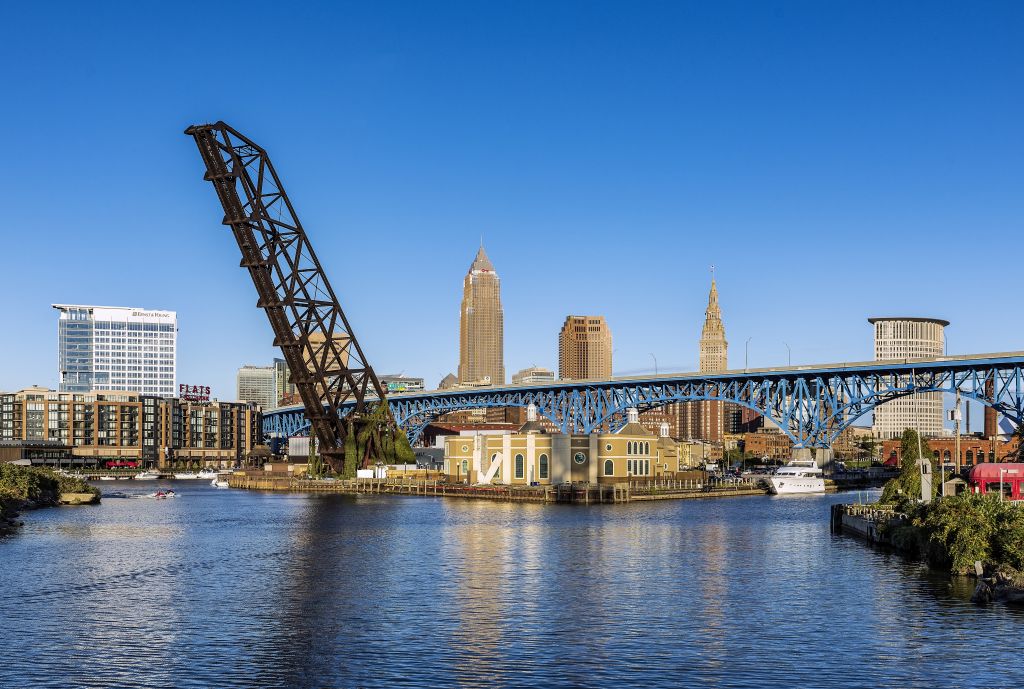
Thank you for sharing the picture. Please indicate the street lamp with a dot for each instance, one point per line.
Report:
(655, 362)
(746, 353)
(789, 354)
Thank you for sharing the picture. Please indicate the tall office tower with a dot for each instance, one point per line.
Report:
(481, 325)
(116, 348)
(283, 380)
(909, 338)
(584, 348)
(709, 420)
(257, 384)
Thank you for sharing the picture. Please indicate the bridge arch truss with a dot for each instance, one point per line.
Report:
(812, 405)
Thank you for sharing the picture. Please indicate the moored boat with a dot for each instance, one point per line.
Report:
(798, 476)
(207, 474)
(148, 475)
(219, 483)
(186, 476)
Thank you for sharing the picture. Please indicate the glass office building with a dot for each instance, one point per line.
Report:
(116, 348)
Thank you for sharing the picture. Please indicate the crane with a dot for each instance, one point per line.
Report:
(326, 363)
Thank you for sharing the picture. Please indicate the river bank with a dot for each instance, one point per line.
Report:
(28, 488)
(965, 535)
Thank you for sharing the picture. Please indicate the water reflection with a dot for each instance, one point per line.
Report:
(229, 588)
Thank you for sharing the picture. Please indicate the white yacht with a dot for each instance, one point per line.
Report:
(148, 475)
(186, 475)
(798, 476)
(220, 483)
(207, 474)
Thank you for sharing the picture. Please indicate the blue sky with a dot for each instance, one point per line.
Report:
(833, 160)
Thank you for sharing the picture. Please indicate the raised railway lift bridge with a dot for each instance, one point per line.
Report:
(341, 393)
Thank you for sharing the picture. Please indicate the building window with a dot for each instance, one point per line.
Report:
(465, 466)
(519, 466)
(970, 457)
(608, 447)
(579, 458)
(543, 466)
(609, 467)
(465, 448)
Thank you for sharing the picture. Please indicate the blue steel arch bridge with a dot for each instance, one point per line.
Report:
(811, 404)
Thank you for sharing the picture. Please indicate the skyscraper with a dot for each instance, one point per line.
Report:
(714, 349)
(707, 420)
(116, 348)
(584, 348)
(481, 325)
(909, 338)
(257, 384)
(283, 380)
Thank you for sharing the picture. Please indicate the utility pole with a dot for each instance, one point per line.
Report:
(956, 432)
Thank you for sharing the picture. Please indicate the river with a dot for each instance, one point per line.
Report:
(226, 588)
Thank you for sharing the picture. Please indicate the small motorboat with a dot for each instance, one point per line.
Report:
(207, 474)
(219, 483)
(186, 475)
(108, 478)
(162, 495)
(148, 475)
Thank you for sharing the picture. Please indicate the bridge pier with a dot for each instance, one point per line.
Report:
(822, 456)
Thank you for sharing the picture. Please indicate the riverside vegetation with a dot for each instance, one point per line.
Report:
(23, 487)
(954, 532)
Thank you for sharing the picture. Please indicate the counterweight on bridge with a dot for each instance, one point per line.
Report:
(327, 365)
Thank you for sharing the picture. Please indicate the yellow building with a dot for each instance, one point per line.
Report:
(533, 456)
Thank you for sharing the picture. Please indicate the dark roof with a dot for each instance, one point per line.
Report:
(915, 319)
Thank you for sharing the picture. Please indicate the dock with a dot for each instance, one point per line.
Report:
(576, 493)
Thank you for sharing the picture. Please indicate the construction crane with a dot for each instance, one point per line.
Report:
(326, 363)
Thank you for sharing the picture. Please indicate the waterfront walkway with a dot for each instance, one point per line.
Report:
(584, 493)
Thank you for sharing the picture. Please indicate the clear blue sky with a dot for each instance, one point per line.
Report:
(834, 160)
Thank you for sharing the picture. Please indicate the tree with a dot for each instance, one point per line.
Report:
(905, 489)
(314, 464)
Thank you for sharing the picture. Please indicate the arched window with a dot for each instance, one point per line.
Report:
(543, 466)
(629, 447)
(945, 456)
(520, 464)
(935, 454)
(609, 467)
(970, 457)
(647, 448)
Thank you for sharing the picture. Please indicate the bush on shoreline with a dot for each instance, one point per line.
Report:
(956, 531)
(20, 485)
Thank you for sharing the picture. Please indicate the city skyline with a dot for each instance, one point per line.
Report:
(847, 180)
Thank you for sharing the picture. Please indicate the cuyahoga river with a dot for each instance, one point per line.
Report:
(240, 589)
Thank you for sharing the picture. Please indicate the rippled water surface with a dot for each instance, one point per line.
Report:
(232, 588)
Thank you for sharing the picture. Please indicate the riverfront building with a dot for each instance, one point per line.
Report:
(584, 348)
(481, 325)
(257, 384)
(116, 348)
(120, 425)
(533, 455)
(909, 338)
